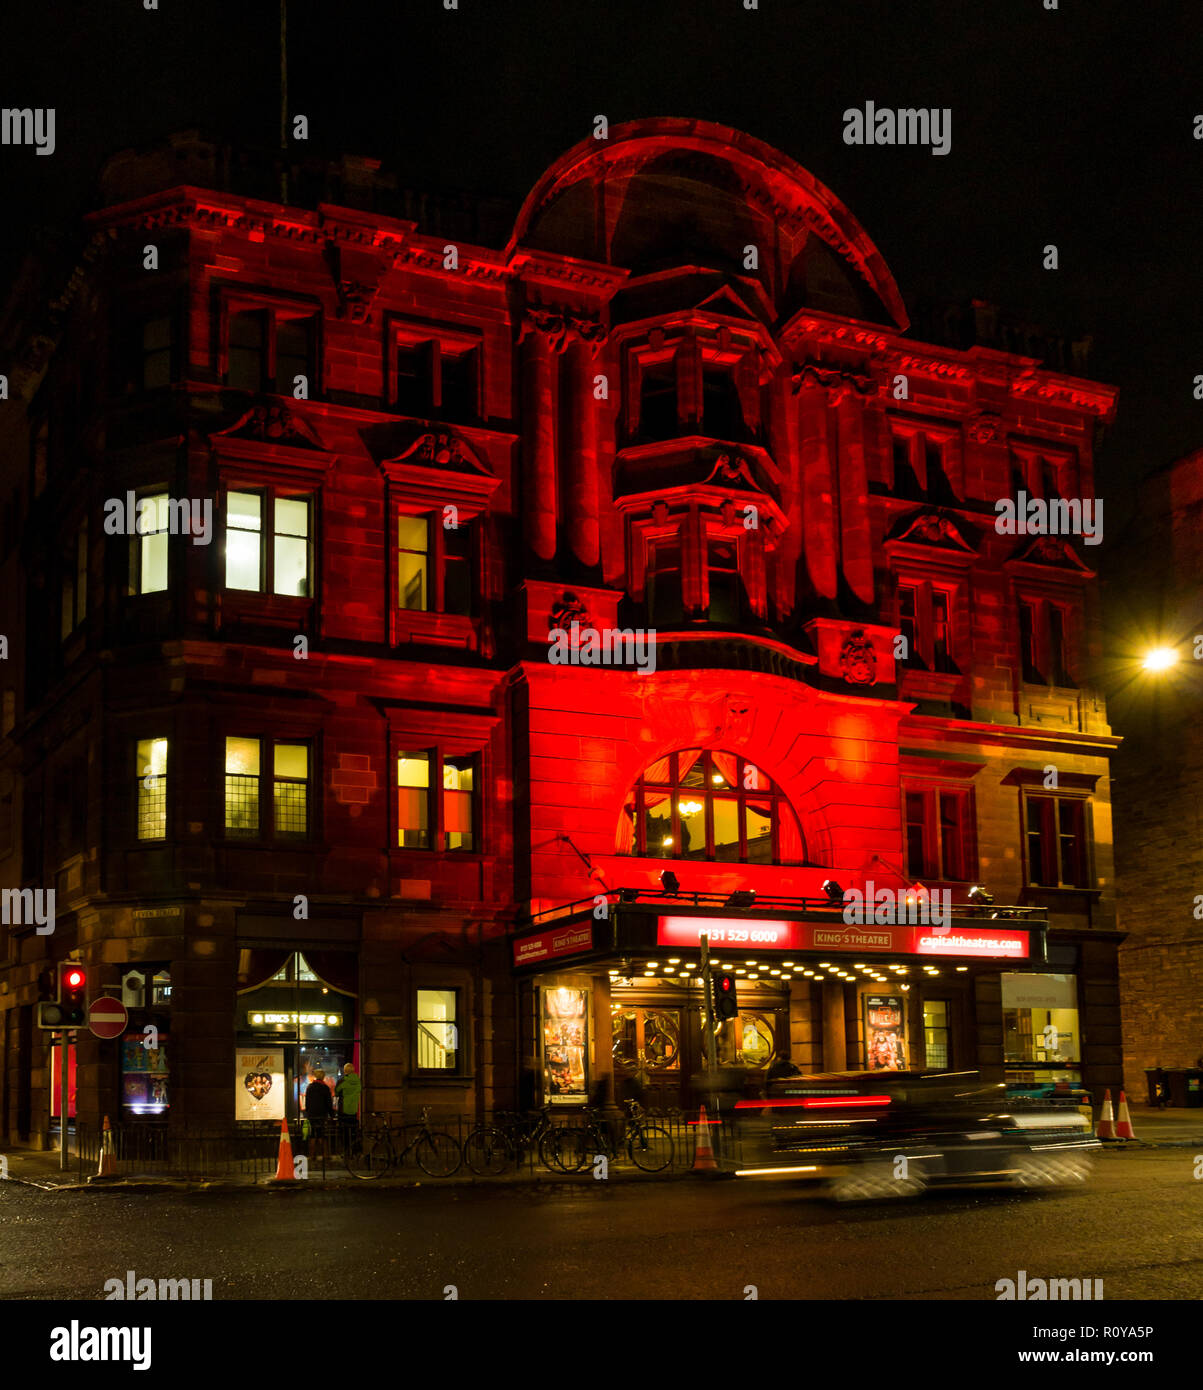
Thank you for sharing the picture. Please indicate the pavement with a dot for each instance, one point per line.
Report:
(1154, 1129)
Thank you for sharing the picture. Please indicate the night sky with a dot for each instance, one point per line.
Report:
(1072, 126)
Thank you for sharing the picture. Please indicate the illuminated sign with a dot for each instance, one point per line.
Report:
(546, 945)
(836, 937)
(729, 931)
(327, 1020)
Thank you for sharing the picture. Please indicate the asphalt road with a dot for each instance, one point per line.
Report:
(1138, 1225)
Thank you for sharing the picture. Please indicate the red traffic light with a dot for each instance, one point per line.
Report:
(74, 978)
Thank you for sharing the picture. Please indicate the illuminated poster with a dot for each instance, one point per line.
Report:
(259, 1083)
(885, 1032)
(144, 1075)
(565, 1039)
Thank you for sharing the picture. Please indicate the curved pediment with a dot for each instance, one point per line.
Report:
(937, 528)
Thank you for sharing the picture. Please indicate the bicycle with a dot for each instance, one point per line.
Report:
(370, 1154)
(649, 1147)
(491, 1148)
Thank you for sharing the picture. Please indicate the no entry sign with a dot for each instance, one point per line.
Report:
(107, 1017)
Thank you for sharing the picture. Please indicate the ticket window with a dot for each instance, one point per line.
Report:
(1042, 1037)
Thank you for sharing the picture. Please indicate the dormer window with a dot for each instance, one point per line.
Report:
(723, 581)
(722, 410)
(271, 347)
(435, 372)
(923, 464)
(658, 417)
(692, 386)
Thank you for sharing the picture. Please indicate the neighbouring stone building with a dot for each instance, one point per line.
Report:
(308, 788)
(1155, 599)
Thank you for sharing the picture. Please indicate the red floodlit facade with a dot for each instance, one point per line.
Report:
(345, 783)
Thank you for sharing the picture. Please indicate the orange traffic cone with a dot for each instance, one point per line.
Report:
(1106, 1125)
(107, 1167)
(703, 1156)
(284, 1168)
(1123, 1126)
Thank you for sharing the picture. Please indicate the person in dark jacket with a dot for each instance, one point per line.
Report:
(319, 1109)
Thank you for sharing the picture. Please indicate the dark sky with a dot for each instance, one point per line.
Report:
(1072, 126)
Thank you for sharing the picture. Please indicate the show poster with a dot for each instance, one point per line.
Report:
(565, 1039)
(259, 1083)
(144, 1074)
(885, 1032)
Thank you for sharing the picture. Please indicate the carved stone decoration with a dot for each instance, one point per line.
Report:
(932, 528)
(816, 374)
(858, 660)
(273, 424)
(732, 472)
(549, 322)
(439, 451)
(587, 331)
(986, 428)
(566, 610)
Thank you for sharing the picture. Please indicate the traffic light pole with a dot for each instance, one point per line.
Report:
(64, 1044)
(711, 1049)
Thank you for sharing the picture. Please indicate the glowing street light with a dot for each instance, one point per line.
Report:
(1160, 659)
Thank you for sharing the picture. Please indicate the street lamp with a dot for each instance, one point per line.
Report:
(1160, 659)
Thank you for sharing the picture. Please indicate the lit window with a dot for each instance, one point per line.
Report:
(242, 787)
(438, 1030)
(244, 540)
(458, 804)
(434, 565)
(413, 546)
(281, 551)
(148, 547)
(290, 789)
(710, 805)
(151, 771)
(413, 800)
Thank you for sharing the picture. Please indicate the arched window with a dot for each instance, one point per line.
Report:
(698, 804)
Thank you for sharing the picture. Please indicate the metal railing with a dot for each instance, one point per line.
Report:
(156, 1149)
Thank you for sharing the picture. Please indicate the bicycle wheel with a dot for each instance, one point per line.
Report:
(487, 1151)
(650, 1148)
(438, 1153)
(563, 1148)
(368, 1156)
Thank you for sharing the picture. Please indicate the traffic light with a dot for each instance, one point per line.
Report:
(725, 1004)
(73, 985)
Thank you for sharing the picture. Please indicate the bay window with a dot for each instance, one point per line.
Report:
(709, 805)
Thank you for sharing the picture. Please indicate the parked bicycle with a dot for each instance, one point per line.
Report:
(370, 1153)
(491, 1148)
(569, 1147)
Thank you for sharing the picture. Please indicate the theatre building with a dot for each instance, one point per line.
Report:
(571, 588)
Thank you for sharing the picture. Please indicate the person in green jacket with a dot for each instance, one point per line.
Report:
(348, 1092)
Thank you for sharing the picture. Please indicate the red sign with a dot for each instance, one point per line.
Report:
(107, 1017)
(560, 941)
(837, 936)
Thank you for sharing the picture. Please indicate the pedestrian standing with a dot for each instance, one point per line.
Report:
(348, 1092)
(319, 1108)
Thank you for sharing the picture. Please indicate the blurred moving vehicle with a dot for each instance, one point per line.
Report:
(868, 1135)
